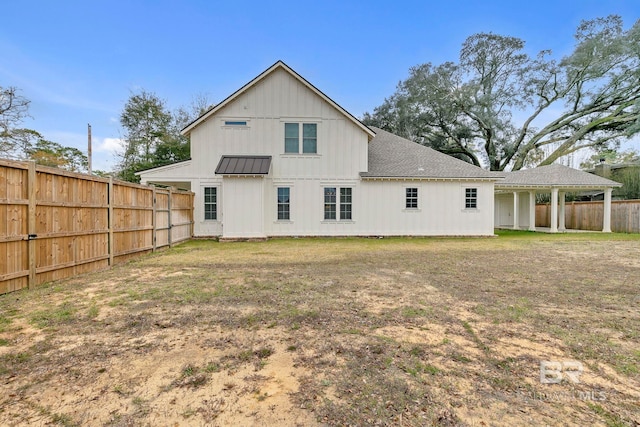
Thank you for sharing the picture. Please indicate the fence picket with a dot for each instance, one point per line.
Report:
(56, 224)
(625, 216)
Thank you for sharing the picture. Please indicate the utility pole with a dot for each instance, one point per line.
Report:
(89, 148)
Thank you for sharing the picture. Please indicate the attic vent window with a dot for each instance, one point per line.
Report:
(235, 122)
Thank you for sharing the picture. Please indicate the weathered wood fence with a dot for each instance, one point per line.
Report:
(56, 224)
(625, 216)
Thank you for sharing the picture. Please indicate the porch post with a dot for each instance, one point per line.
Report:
(606, 216)
(532, 211)
(516, 214)
(561, 225)
(554, 211)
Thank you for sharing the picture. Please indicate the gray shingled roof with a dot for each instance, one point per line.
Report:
(243, 165)
(391, 156)
(554, 176)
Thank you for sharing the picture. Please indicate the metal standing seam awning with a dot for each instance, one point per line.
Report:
(555, 179)
(244, 165)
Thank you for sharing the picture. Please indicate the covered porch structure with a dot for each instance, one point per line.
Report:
(515, 198)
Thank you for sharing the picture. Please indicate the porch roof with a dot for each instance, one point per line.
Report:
(553, 176)
(244, 165)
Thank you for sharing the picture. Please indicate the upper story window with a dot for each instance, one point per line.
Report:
(411, 201)
(471, 198)
(235, 122)
(307, 140)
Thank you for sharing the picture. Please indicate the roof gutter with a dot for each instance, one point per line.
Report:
(427, 178)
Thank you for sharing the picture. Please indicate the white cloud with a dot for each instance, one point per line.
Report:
(110, 145)
(105, 151)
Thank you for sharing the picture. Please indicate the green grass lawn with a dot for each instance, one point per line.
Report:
(394, 331)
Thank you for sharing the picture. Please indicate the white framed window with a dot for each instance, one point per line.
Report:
(300, 136)
(338, 207)
(309, 138)
(345, 203)
(210, 203)
(411, 198)
(471, 198)
(235, 123)
(284, 204)
(330, 203)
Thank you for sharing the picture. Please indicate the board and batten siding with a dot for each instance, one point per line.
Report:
(240, 198)
(441, 208)
(247, 207)
(307, 208)
(266, 107)
(277, 99)
(379, 209)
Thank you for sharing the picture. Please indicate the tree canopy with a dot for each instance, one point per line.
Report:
(152, 133)
(501, 107)
(52, 154)
(611, 157)
(20, 143)
(14, 108)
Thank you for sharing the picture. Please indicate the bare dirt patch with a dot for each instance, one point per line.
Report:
(333, 332)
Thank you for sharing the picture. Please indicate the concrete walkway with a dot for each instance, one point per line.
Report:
(548, 230)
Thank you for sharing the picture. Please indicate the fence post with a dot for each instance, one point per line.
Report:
(192, 218)
(31, 226)
(110, 220)
(169, 237)
(153, 220)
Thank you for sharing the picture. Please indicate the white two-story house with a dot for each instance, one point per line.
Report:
(280, 158)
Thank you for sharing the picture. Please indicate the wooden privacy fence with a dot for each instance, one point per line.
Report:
(625, 216)
(56, 224)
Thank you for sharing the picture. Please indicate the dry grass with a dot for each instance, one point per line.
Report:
(333, 331)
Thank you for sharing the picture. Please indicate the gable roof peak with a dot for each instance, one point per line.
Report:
(279, 64)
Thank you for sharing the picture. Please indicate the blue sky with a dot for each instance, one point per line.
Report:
(78, 61)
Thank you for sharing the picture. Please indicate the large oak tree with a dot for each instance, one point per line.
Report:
(501, 107)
